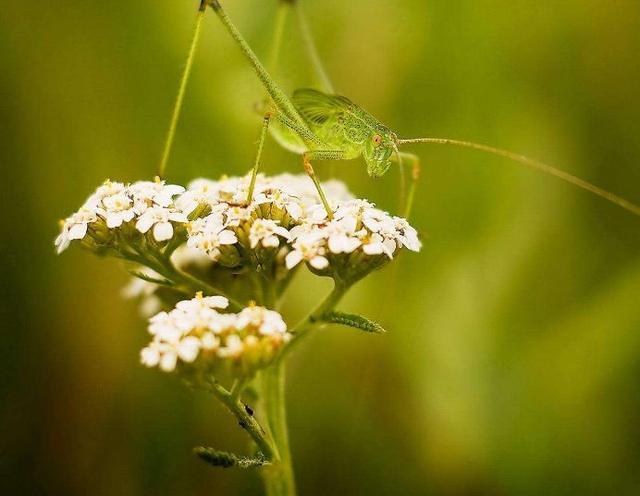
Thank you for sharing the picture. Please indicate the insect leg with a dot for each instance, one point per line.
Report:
(256, 165)
(181, 90)
(320, 155)
(280, 99)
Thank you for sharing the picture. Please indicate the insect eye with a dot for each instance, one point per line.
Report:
(377, 139)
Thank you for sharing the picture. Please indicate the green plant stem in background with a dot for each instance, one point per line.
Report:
(278, 477)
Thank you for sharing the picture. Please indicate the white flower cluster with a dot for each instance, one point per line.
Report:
(356, 225)
(285, 223)
(151, 204)
(195, 332)
(287, 211)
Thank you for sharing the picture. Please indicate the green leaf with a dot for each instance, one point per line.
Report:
(225, 459)
(353, 320)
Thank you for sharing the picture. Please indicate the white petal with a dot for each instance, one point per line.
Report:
(271, 242)
(149, 357)
(294, 210)
(168, 361)
(227, 237)
(172, 189)
(128, 215)
(163, 231)
(114, 219)
(216, 301)
(376, 248)
(145, 222)
(188, 349)
(209, 341)
(351, 245)
(178, 217)
(292, 259)
(319, 262)
(281, 231)
(62, 242)
(77, 231)
(389, 246)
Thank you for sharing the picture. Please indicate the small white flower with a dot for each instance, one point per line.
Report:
(341, 235)
(265, 321)
(150, 356)
(266, 232)
(75, 227)
(377, 245)
(168, 361)
(155, 192)
(234, 347)
(406, 235)
(118, 208)
(209, 234)
(160, 219)
(209, 341)
(200, 303)
(309, 246)
(185, 256)
(188, 349)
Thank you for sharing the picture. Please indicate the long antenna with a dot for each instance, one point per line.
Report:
(534, 164)
(181, 90)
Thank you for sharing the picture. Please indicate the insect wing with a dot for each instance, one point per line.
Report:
(317, 108)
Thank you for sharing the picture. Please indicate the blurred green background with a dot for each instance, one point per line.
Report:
(513, 359)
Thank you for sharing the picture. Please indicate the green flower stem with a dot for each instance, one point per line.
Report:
(279, 478)
(313, 319)
(247, 421)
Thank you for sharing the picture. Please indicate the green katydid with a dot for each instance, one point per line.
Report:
(326, 126)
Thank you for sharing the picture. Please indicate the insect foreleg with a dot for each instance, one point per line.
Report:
(256, 165)
(320, 155)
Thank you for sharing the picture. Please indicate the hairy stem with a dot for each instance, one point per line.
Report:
(247, 421)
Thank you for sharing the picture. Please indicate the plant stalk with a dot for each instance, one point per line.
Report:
(278, 477)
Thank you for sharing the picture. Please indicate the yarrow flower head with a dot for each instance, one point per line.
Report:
(115, 207)
(358, 239)
(198, 338)
(220, 236)
(286, 214)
